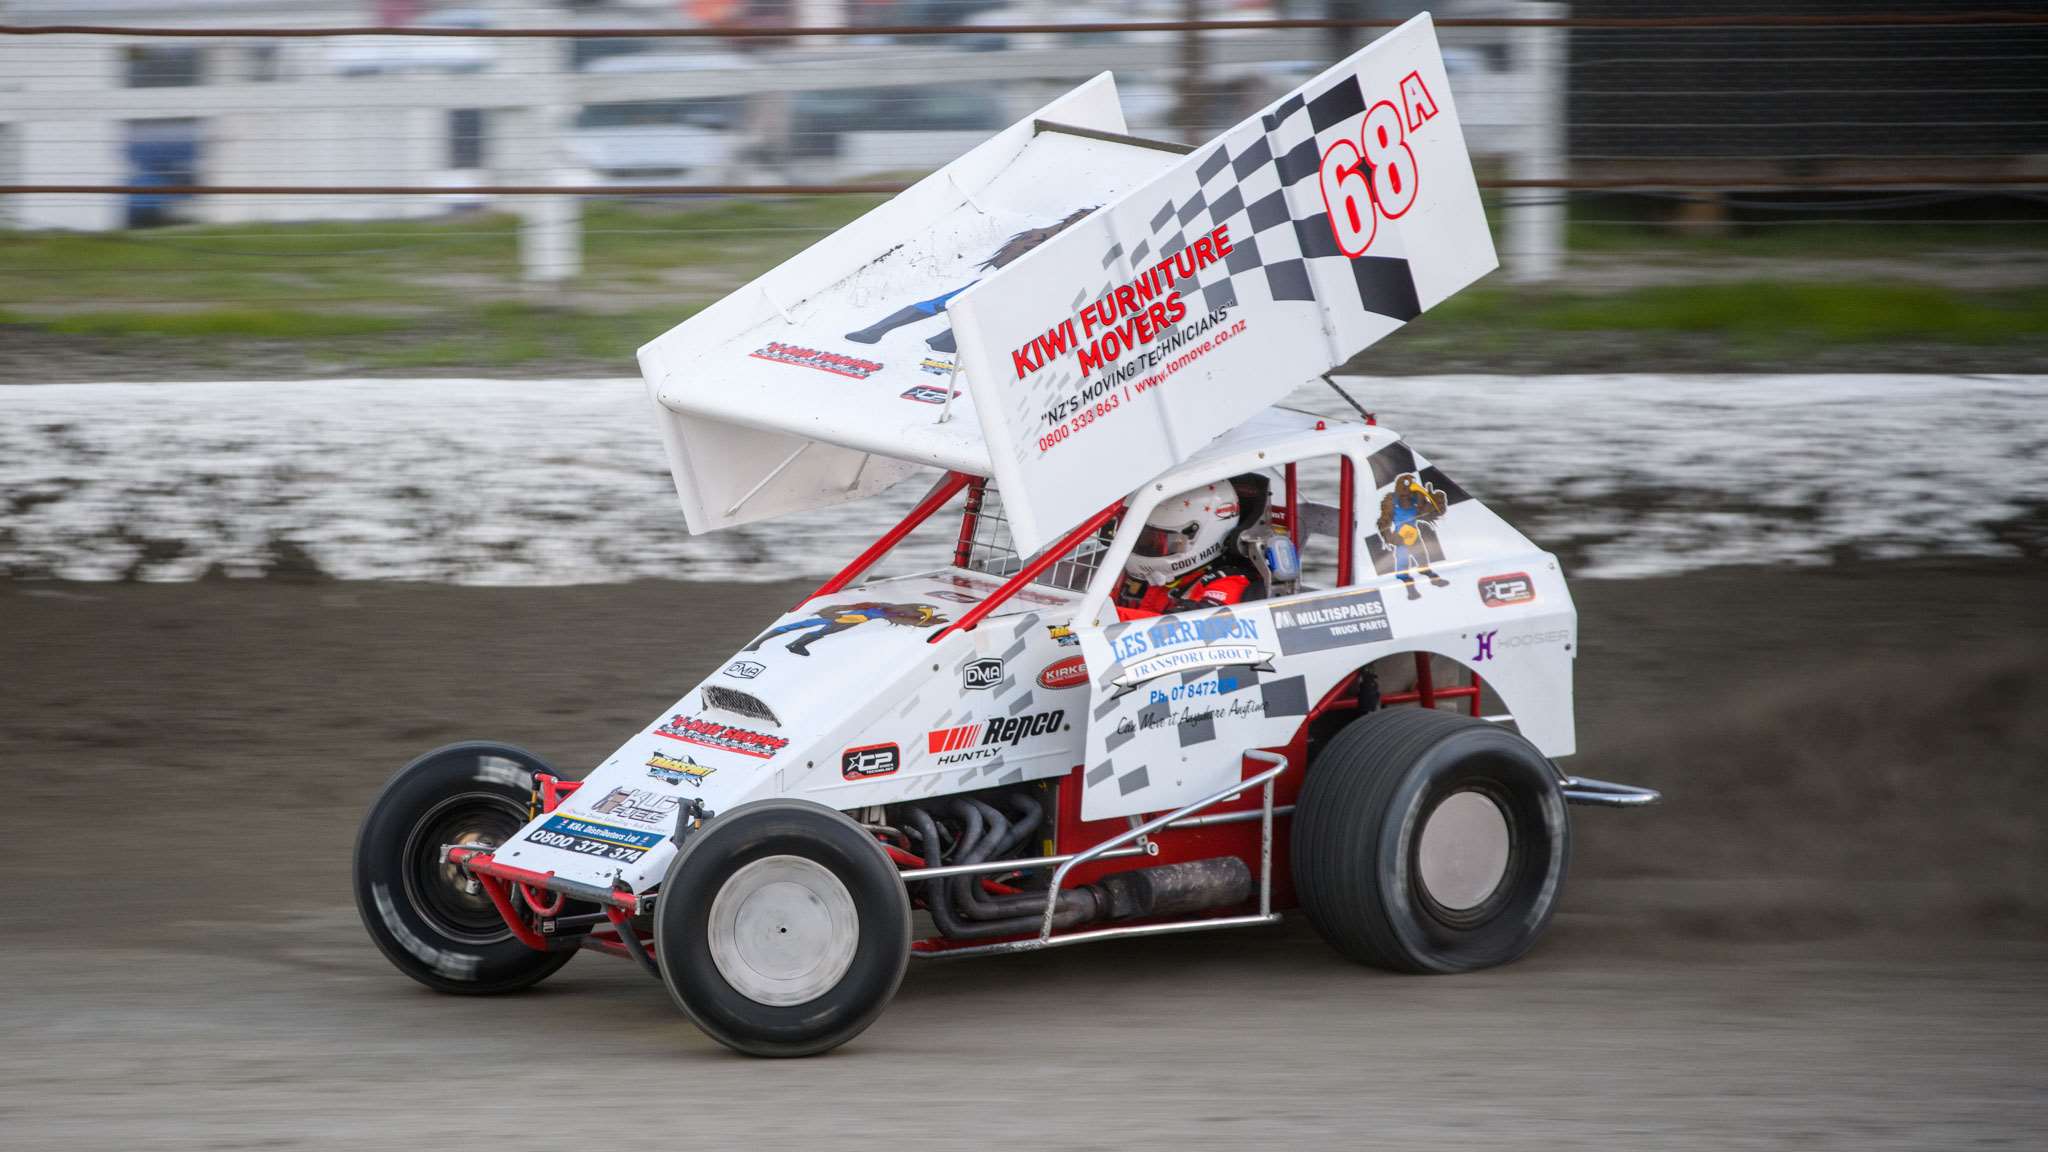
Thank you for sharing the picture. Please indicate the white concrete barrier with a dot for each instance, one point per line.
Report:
(555, 482)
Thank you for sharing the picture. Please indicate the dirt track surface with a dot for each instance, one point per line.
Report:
(1831, 935)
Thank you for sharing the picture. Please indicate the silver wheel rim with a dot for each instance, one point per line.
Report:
(1464, 851)
(783, 930)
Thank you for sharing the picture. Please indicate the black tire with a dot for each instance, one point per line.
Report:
(1358, 833)
(417, 909)
(768, 834)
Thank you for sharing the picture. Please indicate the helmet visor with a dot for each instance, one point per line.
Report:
(1156, 541)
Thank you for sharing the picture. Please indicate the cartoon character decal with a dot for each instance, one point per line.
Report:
(1012, 248)
(835, 618)
(1408, 516)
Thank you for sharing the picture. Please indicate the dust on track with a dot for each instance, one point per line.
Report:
(1830, 934)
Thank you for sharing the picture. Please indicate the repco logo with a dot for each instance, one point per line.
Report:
(1017, 729)
(985, 739)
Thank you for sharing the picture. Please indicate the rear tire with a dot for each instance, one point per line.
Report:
(782, 928)
(1429, 842)
(422, 913)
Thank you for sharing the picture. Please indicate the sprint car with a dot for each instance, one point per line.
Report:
(982, 753)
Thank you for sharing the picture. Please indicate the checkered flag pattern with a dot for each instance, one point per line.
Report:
(1260, 180)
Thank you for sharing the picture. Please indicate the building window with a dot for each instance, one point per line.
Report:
(465, 138)
(160, 66)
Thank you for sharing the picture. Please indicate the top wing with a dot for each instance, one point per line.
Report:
(828, 377)
(1072, 312)
(1299, 237)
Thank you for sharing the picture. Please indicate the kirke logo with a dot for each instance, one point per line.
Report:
(984, 673)
(1485, 646)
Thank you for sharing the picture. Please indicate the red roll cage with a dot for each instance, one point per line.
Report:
(975, 487)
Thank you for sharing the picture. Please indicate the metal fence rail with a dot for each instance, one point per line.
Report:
(2007, 17)
(1625, 117)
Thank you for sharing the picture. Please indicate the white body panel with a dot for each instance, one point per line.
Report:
(833, 692)
(1174, 700)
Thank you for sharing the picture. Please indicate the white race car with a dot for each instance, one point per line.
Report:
(1067, 326)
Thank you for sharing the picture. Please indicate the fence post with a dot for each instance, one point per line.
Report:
(1533, 219)
(537, 139)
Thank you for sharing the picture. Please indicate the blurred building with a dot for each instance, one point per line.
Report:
(165, 116)
(156, 113)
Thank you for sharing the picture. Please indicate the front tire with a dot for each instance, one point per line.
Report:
(782, 929)
(428, 918)
(1430, 842)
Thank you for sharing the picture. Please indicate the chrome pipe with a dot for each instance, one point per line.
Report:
(1035, 943)
(1022, 863)
(1059, 875)
(1279, 764)
(1243, 817)
(1017, 865)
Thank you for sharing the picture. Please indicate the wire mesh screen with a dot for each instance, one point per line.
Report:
(991, 550)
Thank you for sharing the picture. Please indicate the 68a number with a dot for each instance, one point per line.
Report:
(1356, 203)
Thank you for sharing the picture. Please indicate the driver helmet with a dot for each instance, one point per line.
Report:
(1184, 533)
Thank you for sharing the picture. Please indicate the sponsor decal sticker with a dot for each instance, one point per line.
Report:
(979, 674)
(1332, 622)
(1212, 686)
(926, 394)
(1487, 642)
(937, 367)
(1506, 589)
(870, 760)
(727, 737)
(745, 669)
(1071, 672)
(1062, 635)
(832, 619)
(918, 312)
(1148, 649)
(1409, 514)
(590, 838)
(833, 362)
(1152, 719)
(637, 806)
(1126, 318)
(986, 739)
(676, 769)
(1191, 660)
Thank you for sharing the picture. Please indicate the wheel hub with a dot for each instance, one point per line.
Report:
(783, 930)
(1464, 850)
(441, 891)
